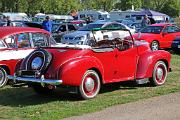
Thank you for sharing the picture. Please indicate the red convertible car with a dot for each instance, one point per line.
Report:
(88, 67)
(159, 36)
(16, 43)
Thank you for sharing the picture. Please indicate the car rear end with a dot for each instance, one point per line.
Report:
(176, 45)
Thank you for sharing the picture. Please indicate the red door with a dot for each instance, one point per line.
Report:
(107, 57)
(168, 35)
(127, 63)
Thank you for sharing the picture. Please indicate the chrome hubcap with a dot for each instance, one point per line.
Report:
(36, 63)
(89, 84)
(1, 76)
(159, 73)
(154, 46)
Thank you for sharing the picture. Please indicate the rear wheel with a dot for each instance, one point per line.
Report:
(159, 74)
(90, 85)
(154, 45)
(3, 77)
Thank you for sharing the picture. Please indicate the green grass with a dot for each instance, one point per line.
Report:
(23, 103)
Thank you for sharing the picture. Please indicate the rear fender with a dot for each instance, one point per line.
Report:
(8, 66)
(147, 61)
(72, 71)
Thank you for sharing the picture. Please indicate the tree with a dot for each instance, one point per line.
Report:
(105, 5)
(171, 8)
(127, 4)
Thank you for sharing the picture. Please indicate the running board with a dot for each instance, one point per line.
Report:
(142, 81)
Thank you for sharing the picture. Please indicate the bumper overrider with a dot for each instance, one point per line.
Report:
(40, 80)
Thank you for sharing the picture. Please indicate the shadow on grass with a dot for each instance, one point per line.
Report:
(174, 52)
(127, 85)
(24, 96)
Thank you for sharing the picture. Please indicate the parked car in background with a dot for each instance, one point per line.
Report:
(137, 26)
(61, 29)
(2, 24)
(22, 24)
(16, 43)
(78, 23)
(93, 14)
(127, 22)
(176, 45)
(40, 17)
(160, 36)
(17, 16)
(86, 67)
(84, 34)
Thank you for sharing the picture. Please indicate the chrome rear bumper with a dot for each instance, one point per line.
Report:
(41, 80)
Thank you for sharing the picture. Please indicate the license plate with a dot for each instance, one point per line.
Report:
(178, 46)
(27, 73)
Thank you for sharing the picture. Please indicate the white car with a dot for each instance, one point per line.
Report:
(90, 31)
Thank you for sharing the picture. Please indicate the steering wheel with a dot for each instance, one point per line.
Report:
(38, 43)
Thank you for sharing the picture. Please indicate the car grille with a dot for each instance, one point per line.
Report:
(68, 38)
(27, 73)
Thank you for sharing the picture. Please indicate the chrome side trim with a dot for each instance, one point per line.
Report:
(41, 80)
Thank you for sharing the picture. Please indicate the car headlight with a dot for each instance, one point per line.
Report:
(36, 63)
(176, 42)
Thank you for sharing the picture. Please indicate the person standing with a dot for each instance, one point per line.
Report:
(47, 24)
(145, 22)
(8, 21)
(167, 20)
(74, 14)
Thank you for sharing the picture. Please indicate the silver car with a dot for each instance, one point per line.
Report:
(90, 31)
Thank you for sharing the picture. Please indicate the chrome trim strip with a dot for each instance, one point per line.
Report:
(41, 80)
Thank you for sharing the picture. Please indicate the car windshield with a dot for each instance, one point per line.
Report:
(99, 38)
(90, 27)
(152, 29)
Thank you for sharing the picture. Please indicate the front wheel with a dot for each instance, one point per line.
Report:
(90, 85)
(3, 77)
(159, 74)
(154, 45)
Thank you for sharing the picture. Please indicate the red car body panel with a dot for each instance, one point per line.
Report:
(9, 65)
(9, 56)
(164, 39)
(147, 61)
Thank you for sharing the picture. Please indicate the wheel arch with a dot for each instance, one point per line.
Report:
(77, 68)
(147, 61)
(165, 61)
(98, 72)
(6, 68)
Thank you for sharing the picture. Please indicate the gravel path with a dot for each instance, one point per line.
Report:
(158, 108)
